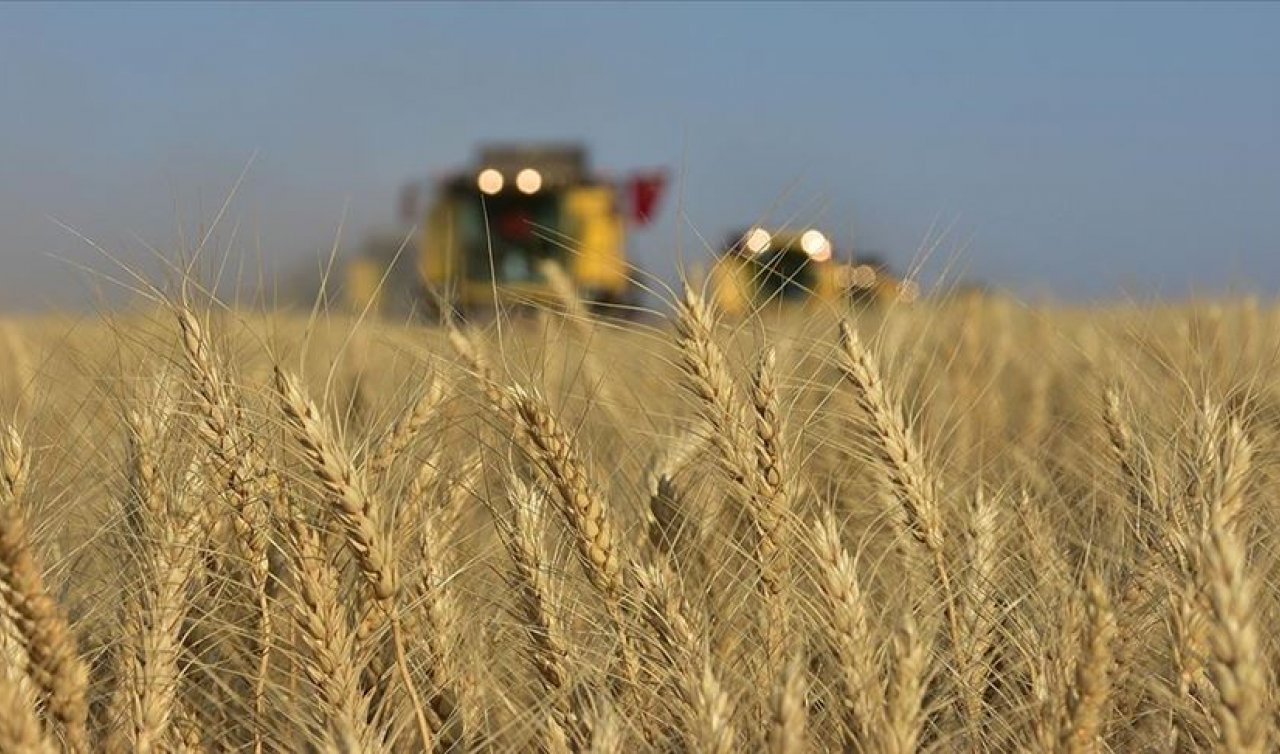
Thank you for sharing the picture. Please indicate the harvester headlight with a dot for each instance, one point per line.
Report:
(816, 245)
(863, 276)
(490, 181)
(758, 240)
(908, 291)
(528, 181)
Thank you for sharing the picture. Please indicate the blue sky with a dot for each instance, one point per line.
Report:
(1081, 150)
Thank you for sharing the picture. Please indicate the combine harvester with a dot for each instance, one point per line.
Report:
(490, 230)
(762, 267)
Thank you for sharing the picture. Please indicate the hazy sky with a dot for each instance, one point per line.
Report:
(1084, 150)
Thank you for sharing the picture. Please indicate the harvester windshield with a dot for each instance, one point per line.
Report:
(784, 273)
(507, 236)
(783, 264)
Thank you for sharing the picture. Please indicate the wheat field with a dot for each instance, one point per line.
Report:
(969, 525)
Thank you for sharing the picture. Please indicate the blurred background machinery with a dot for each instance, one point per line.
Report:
(487, 231)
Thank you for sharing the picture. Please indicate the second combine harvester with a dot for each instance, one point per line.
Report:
(763, 267)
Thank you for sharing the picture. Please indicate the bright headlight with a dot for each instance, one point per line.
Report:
(863, 276)
(816, 245)
(758, 240)
(529, 181)
(908, 291)
(490, 181)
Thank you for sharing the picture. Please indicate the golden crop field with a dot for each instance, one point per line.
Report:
(964, 526)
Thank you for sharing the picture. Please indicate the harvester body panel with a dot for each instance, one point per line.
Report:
(596, 226)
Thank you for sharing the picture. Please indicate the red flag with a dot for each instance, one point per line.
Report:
(645, 190)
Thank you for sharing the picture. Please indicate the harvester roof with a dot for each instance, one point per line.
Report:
(559, 164)
(530, 169)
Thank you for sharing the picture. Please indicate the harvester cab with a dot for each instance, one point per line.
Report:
(490, 229)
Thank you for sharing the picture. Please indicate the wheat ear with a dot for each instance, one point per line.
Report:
(531, 582)
(977, 612)
(53, 662)
(579, 318)
(238, 463)
(707, 710)
(398, 437)
(1238, 666)
(20, 728)
(606, 729)
(789, 711)
(579, 499)
(707, 376)
(1136, 468)
(771, 509)
(896, 445)
(750, 450)
(355, 511)
(904, 701)
(713, 726)
(468, 349)
(437, 618)
(847, 630)
(331, 661)
(587, 513)
(146, 425)
(671, 527)
(1087, 708)
(898, 450)
(173, 563)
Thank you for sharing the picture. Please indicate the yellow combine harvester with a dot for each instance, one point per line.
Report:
(490, 230)
(764, 267)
